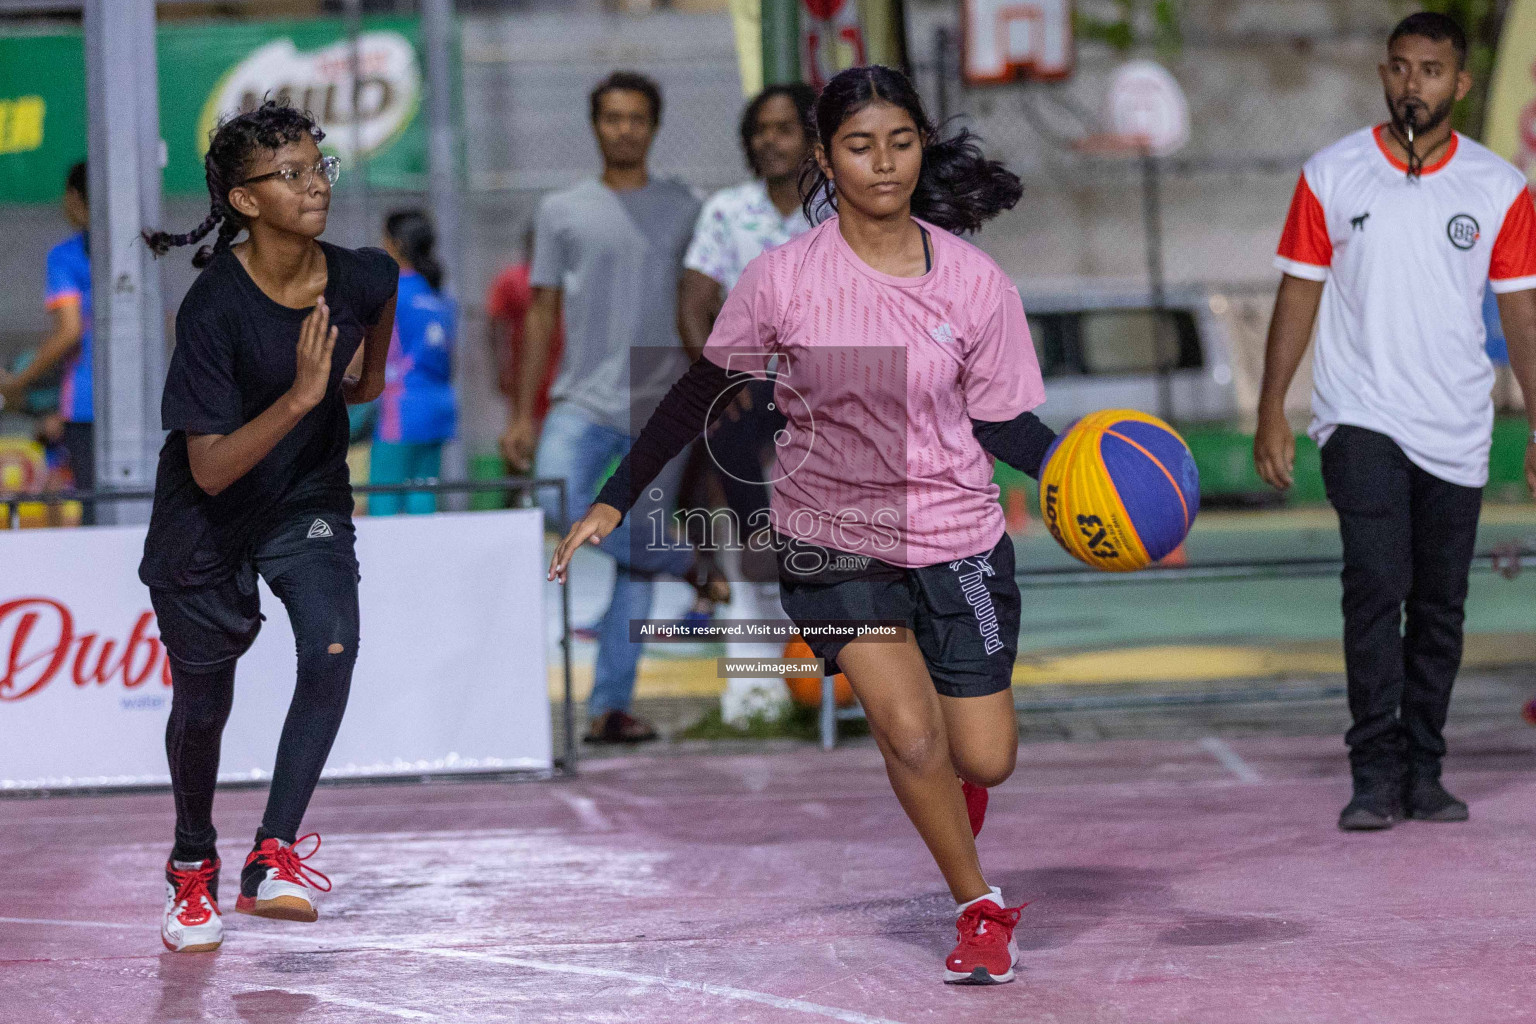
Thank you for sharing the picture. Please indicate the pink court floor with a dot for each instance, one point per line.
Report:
(1190, 882)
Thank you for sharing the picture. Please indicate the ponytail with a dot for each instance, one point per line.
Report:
(958, 188)
(412, 232)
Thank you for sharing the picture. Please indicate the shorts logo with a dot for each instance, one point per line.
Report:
(318, 529)
(1463, 231)
(973, 585)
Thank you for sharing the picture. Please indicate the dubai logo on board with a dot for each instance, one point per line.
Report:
(320, 81)
(40, 644)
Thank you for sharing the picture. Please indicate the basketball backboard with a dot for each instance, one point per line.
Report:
(1008, 40)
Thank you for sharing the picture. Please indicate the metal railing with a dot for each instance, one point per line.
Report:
(1508, 563)
(565, 765)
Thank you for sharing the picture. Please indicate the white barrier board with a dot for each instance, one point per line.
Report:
(450, 672)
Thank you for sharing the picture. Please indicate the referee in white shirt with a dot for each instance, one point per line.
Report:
(1393, 234)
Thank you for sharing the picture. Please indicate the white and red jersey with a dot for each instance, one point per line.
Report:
(1400, 331)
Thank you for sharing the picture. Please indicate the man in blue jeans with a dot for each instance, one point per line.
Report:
(608, 253)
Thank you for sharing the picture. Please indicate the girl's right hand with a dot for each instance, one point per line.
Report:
(599, 522)
(317, 339)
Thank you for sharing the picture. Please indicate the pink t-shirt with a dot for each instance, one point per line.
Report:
(880, 377)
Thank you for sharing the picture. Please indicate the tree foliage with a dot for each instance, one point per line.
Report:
(1128, 22)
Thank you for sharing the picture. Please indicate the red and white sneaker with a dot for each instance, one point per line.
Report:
(975, 805)
(986, 953)
(276, 882)
(192, 923)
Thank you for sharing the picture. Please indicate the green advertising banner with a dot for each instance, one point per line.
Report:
(212, 70)
(42, 114)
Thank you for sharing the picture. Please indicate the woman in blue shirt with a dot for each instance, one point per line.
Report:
(418, 410)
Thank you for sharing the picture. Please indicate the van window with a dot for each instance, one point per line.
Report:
(1112, 342)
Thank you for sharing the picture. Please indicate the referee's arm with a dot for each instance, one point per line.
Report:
(1290, 331)
(1517, 311)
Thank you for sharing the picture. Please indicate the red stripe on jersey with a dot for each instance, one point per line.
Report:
(1381, 143)
(1305, 238)
(1514, 253)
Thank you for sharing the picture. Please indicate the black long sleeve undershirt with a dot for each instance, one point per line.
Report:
(689, 409)
(698, 398)
(1020, 442)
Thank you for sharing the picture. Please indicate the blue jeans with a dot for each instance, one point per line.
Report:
(579, 451)
(395, 462)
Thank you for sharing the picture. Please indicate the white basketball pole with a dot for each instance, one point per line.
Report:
(125, 155)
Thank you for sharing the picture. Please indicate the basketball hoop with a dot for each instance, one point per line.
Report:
(1009, 40)
(1145, 102)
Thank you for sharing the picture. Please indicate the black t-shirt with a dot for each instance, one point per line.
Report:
(235, 356)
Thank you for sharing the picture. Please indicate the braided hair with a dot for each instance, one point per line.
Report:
(232, 148)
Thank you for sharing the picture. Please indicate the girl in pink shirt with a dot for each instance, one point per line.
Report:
(903, 364)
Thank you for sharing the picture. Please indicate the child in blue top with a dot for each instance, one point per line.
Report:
(67, 297)
(418, 411)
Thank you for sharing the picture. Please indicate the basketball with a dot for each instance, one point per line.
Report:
(1119, 490)
(806, 690)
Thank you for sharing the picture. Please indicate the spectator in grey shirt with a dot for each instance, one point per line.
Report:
(608, 254)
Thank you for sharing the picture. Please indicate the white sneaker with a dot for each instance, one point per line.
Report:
(192, 923)
(275, 881)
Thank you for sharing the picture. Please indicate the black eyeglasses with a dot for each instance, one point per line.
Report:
(300, 179)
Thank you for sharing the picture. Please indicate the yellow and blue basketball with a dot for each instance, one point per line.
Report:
(1119, 490)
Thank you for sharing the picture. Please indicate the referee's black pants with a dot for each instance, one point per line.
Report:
(1408, 543)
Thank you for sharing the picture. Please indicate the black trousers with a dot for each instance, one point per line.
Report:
(1408, 544)
(80, 442)
(309, 563)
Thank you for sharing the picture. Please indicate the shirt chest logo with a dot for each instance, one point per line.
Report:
(1358, 223)
(1463, 231)
(943, 334)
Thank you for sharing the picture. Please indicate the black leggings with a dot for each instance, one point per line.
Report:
(317, 583)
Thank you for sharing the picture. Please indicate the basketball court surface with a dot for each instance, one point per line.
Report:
(1186, 882)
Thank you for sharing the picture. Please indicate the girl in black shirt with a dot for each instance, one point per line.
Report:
(253, 479)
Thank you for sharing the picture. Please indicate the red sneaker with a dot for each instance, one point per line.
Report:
(986, 953)
(191, 922)
(975, 805)
(276, 882)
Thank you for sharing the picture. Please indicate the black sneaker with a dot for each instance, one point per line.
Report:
(1427, 800)
(1368, 813)
(613, 727)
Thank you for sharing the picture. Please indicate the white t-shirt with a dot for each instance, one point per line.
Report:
(1400, 331)
(736, 225)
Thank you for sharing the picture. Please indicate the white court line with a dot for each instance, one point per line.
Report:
(585, 808)
(1221, 751)
(629, 799)
(725, 991)
(739, 994)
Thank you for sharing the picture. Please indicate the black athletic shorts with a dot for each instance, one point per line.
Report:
(963, 614)
(207, 627)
